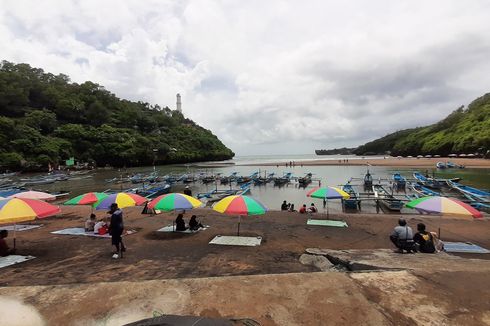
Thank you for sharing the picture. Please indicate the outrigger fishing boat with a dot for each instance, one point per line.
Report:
(441, 165)
(480, 195)
(306, 180)
(353, 202)
(427, 181)
(386, 198)
(422, 191)
(399, 181)
(280, 181)
(368, 181)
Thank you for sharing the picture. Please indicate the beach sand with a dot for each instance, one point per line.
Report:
(392, 162)
(73, 276)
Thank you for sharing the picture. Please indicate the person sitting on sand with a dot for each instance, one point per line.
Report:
(90, 223)
(424, 241)
(291, 208)
(303, 209)
(194, 224)
(312, 209)
(187, 191)
(4, 248)
(101, 227)
(402, 237)
(180, 223)
(284, 206)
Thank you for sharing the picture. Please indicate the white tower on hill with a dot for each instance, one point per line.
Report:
(179, 103)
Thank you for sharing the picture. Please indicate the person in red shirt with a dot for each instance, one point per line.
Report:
(4, 248)
(302, 210)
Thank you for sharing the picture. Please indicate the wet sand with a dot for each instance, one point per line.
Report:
(476, 163)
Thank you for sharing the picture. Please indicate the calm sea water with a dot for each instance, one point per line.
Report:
(272, 196)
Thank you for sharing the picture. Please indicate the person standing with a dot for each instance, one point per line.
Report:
(4, 248)
(116, 228)
(187, 191)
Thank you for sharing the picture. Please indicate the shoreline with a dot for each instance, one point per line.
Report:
(474, 163)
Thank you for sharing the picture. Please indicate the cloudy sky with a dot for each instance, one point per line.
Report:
(267, 77)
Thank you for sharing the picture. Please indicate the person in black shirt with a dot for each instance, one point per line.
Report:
(284, 206)
(4, 248)
(116, 228)
(187, 191)
(424, 241)
(180, 223)
(194, 224)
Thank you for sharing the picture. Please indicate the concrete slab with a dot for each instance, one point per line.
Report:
(338, 224)
(13, 259)
(20, 227)
(465, 247)
(227, 240)
(171, 228)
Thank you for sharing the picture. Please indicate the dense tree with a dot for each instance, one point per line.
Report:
(463, 131)
(45, 119)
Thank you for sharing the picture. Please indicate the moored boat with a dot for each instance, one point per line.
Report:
(388, 200)
(441, 165)
(353, 202)
(427, 181)
(479, 194)
(399, 181)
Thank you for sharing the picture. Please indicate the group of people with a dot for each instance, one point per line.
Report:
(194, 223)
(285, 206)
(405, 240)
(112, 225)
(310, 210)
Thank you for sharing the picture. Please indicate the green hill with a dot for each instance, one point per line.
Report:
(46, 119)
(463, 131)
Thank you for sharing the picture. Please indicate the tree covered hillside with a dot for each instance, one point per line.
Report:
(463, 131)
(46, 119)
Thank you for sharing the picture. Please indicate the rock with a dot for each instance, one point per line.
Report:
(320, 262)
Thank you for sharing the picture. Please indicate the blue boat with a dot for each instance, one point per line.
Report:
(353, 202)
(441, 165)
(423, 191)
(399, 181)
(426, 181)
(479, 194)
(387, 199)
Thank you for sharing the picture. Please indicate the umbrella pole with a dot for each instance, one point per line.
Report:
(239, 219)
(327, 210)
(15, 229)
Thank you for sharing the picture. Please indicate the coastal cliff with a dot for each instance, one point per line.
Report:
(465, 130)
(46, 119)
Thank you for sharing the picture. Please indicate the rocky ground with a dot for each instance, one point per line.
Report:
(73, 280)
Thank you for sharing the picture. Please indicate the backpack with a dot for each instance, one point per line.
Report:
(429, 243)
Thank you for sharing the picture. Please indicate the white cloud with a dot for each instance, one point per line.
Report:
(267, 76)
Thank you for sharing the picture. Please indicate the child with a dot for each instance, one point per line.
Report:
(90, 223)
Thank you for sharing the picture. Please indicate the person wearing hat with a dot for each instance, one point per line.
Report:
(402, 237)
(116, 230)
(187, 191)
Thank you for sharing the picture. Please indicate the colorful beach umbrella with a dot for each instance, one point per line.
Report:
(39, 195)
(239, 205)
(122, 199)
(87, 199)
(328, 193)
(174, 201)
(14, 210)
(444, 206)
